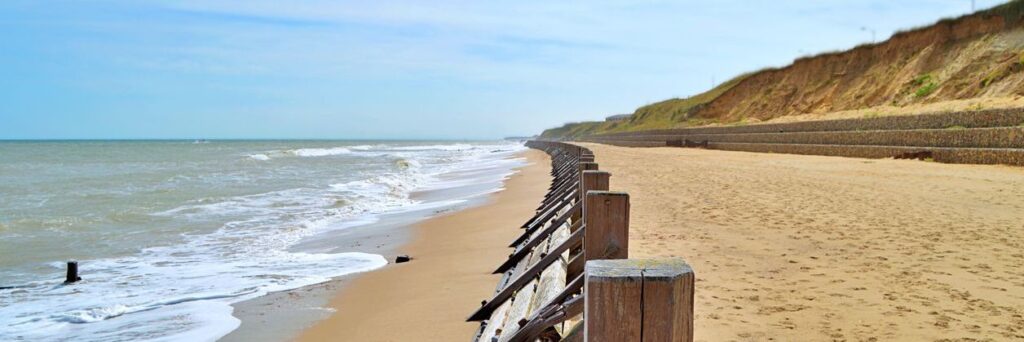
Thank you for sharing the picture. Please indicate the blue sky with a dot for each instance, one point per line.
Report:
(394, 69)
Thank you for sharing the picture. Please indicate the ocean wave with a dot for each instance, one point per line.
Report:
(92, 314)
(408, 163)
(320, 152)
(307, 152)
(182, 290)
(449, 147)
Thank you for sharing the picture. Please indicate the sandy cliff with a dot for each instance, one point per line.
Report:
(977, 56)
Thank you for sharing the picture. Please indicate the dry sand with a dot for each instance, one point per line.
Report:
(429, 298)
(810, 248)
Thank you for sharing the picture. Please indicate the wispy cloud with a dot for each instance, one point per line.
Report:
(475, 69)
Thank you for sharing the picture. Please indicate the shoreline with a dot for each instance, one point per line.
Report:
(453, 256)
(284, 315)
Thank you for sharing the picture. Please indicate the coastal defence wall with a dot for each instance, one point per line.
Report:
(569, 277)
(981, 137)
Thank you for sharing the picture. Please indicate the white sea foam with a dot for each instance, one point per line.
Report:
(182, 291)
(451, 147)
(320, 152)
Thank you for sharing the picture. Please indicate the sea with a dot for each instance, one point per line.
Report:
(168, 234)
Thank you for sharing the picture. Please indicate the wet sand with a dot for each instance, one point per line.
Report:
(429, 298)
(811, 248)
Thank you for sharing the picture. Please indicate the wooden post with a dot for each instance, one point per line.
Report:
(668, 300)
(592, 181)
(638, 301)
(583, 167)
(72, 275)
(606, 216)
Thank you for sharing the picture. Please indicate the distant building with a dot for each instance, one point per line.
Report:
(619, 117)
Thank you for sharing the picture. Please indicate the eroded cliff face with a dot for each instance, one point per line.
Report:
(980, 55)
(969, 63)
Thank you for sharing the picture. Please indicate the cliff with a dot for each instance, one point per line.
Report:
(980, 55)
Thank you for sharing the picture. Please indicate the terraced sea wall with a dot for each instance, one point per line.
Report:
(979, 137)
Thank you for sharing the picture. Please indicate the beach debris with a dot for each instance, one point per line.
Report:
(402, 258)
(72, 273)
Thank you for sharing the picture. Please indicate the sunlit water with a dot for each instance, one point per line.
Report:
(169, 233)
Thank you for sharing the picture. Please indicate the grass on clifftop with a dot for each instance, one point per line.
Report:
(671, 113)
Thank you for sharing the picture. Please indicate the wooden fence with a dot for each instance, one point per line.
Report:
(569, 277)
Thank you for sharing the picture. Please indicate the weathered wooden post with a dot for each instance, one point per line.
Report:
(591, 180)
(606, 214)
(583, 167)
(72, 275)
(638, 300)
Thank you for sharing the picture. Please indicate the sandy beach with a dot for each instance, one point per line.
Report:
(429, 298)
(790, 247)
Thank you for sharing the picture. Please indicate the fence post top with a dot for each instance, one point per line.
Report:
(670, 267)
(607, 193)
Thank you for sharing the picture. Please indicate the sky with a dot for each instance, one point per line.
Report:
(131, 69)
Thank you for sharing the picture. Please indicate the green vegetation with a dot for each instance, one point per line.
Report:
(992, 77)
(926, 85)
(671, 113)
(872, 115)
(926, 90)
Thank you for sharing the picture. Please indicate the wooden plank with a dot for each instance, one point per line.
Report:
(524, 277)
(518, 311)
(525, 236)
(575, 267)
(552, 282)
(527, 247)
(560, 235)
(613, 308)
(573, 330)
(537, 255)
(539, 318)
(495, 322)
(606, 215)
